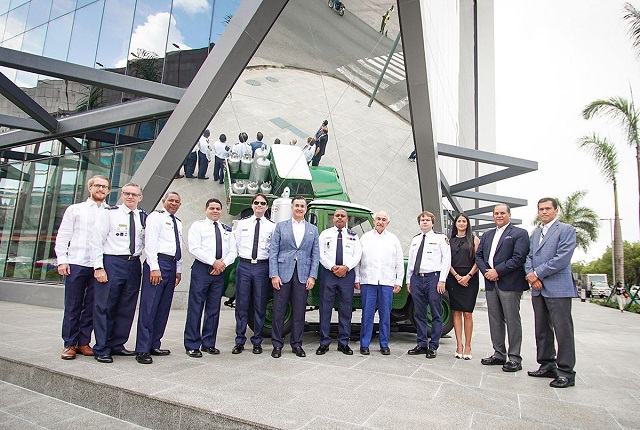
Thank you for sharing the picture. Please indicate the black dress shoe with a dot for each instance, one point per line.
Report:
(238, 348)
(322, 349)
(345, 349)
(103, 358)
(206, 177)
(257, 348)
(190, 177)
(277, 352)
(384, 350)
(418, 350)
(364, 350)
(511, 366)
(144, 358)
(562, 382)
(158, 351)
(492, 361)
(543, 373)
(431, 353)
(298, 351)
(125, 353)
(211, 350)
(194, 353)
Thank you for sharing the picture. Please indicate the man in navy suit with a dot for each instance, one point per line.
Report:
(500, 258)
(294, 256)
(548, 268)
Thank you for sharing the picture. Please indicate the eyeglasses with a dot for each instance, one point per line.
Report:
(102, 187)
(261, 203)
(126, 194)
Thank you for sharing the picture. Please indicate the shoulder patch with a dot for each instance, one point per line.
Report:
(226, 227)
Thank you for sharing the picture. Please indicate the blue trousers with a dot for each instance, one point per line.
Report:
(205, 293)
(380, 296)
(218, 170)
(190, 164)
(77, 322)
(424, 292)
(203, 164)
(155, 304)
(252, 286)
(295, 292)
(115, 304)
(330, 286)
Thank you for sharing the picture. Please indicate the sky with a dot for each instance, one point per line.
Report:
(552, 59)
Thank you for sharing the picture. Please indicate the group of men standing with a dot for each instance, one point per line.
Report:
(99, 249)
(510, 263)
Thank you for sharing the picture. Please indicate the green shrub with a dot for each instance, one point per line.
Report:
(633, 307)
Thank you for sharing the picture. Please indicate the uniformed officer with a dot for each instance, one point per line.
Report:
(73, 250)
(161, 273)
(427, 269)
(213, 247)
(253, 237)
(340, 253)
(117, 244)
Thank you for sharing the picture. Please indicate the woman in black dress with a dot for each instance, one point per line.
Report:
(462, 283)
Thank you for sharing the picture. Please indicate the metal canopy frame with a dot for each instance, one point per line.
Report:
(197, 105)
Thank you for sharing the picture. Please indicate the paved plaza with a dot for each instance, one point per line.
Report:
(323, 392)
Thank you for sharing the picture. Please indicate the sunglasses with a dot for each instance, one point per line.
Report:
(261, 203)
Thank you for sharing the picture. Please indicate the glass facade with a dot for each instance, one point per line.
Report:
(160, 40)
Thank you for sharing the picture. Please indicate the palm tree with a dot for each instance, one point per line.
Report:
(585, 220)
(632, 16)
(623, 111)
(606, 157)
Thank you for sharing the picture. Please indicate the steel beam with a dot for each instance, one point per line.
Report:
(19, 98)
(21, 123)
(410, 15)
(513, 202)
(208, 90)
(97, 119)
(88, 75)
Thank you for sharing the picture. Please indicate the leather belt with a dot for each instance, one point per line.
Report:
(251, 261)
(422, 275)
(166, 257)
(124, 257)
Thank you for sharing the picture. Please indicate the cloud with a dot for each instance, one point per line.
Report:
(152, 35)
(192, 6)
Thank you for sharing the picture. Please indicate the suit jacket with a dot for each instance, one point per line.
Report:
(283, 252)
(509, 258)
(551, 260)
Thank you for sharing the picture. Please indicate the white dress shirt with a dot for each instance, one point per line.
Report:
(436, 255)
(111, 235)
(220, 150)
(160, 238)
(382, 261)
(544, 229)
(298, 231)
(202, 242)
(73, 241)
(244, 231)
(241, 149)
(351, 248)
(203, 146)
(494, 244)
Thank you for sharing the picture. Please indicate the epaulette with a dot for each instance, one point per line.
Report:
(247, 217)
(351, 232)
(110, 208)
(160, 211)
(177, 218)
(419, 234)
(437, 232)
(226, 227)
(268, 219)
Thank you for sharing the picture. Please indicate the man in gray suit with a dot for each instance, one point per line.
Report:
(500, 258)
(294, 256)
(548, 268)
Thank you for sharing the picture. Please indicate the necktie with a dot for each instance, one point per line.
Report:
(542, 233)
(218, 241)
(256, 238)
(132, 234)
(339, 248)
(175, 233)
(416, 266)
